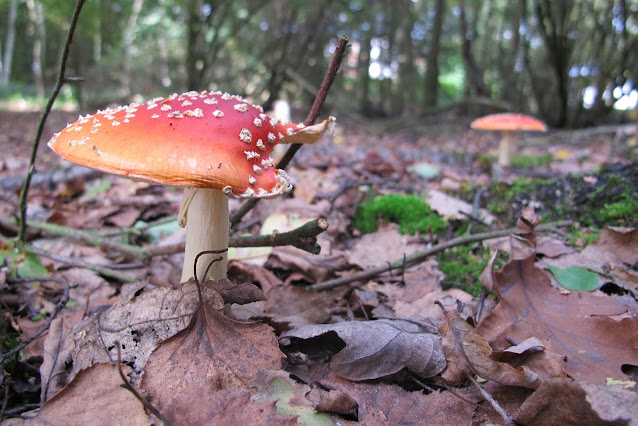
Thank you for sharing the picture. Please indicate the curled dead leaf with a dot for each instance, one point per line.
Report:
(467, 352)
(378, 348)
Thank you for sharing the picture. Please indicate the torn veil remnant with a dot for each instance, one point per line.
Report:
(508, 123)
(213, 143)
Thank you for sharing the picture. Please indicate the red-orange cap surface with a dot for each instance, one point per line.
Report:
(205, 140)
(508, 121)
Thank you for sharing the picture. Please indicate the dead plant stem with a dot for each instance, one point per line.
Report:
(127, 385)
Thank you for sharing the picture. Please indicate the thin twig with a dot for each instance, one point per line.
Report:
(127, 385)
(495, 405)
(420, 256)
(304, 237)
(22, 204)
(331, 74)
(79, 263)
(61, 304)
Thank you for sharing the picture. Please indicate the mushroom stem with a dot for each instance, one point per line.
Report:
(507, 148)
(207, 228)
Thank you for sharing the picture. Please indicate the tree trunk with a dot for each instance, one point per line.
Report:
(473, 73)
(129, 36)
(407, 71)
(363, 73)
(432, 70)
(9, 43)
(37, 30)
(553, 22)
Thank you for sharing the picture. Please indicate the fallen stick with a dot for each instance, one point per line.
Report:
(421, 256)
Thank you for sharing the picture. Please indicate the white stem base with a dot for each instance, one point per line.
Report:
(507, 149)
(207, 228)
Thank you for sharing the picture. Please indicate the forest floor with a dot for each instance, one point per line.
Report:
(535, 327)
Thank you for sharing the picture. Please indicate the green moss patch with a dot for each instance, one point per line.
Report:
(410, 212)
(462, 267)
(608, 197)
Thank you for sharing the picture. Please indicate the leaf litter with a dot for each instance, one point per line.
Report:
(530, 326)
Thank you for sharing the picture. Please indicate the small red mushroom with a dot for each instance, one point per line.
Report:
(215, 144)
(508, 123)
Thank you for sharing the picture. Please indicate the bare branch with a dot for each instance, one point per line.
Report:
(421, 256)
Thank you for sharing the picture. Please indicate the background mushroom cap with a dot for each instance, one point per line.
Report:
(205, 140)
(508, 121)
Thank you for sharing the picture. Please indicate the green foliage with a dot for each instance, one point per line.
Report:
(582, 238)
(530, 161)
(576, 278)
(9, 341)
(22, 264)
(462, 267)
(621, 211)
(608, 197)
(410, 212)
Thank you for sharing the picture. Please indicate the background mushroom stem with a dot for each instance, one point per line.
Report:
(507, 148)
(207, 228)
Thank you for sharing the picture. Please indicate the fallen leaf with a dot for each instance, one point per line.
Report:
(293, 306)
(452, 208)
(94, 397)
(194, 374)
(313, 268)
(563, 401)
(56, 360)
(576, 278)
(380, 347)
(383, 246)
(425, 306)
(140, 320)
(576, 325)
(468, 352)
(300, 400)
(383, 404)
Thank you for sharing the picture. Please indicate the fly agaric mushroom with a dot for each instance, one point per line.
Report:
(212, 143)
(508, 124)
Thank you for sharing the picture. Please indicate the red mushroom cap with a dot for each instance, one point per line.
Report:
(205, 140)
(508, 121)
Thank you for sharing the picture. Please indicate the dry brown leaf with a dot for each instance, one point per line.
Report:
(94, 397)
(451, 208)
(239, 272)
(384, 246)
(126, 216)
(425, 306)
(468, 352)
(382, 404)
(313, 268)
(196, 373)
(381, 347)
(563, 401)
(140, 320)
(293, 306)
(292, 397)
(576, 325)
(615, 249)
(56, 360)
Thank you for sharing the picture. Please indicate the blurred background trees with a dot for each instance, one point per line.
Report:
(572, 63)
